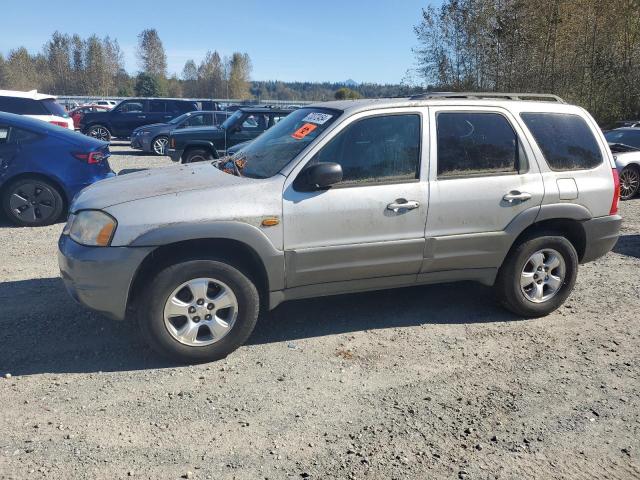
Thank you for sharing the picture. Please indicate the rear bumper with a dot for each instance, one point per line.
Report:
(99, 277)
(174, 154)
(601, 235)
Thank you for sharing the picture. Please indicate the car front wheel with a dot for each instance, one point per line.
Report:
(538, 275)
(159, 145)
(99, 132)
(198, 310)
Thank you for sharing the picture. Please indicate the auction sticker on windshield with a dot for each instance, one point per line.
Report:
(303, 131)
(317, 118)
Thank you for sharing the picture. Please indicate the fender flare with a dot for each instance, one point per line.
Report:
(252, 237)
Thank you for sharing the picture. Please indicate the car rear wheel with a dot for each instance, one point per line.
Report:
(538, 275)
(198, 310)
(32, 202)
(159, 145)
(629, 182)
(99, 132)
(197, 155)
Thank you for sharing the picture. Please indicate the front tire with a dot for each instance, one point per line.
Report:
(99, 132)
(629, 182)
(159, 145)
(197, 155)
(537, 276)
(32, 202)
(198, 310)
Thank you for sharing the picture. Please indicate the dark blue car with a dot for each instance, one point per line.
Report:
(43, 166)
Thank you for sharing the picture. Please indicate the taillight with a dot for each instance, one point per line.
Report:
(616, 192)
(60, 124)
(91, 158)
(172, 143)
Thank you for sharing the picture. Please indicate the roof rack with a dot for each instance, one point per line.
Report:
(480, 95)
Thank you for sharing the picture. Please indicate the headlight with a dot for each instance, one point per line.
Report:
(91, 227)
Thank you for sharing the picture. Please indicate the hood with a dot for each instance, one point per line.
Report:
(152, 183)
(150, 126)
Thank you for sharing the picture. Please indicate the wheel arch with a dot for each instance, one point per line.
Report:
(54, 181)
(570, 228)
(237, 253)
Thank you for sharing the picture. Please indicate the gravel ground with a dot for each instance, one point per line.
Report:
(425, 382)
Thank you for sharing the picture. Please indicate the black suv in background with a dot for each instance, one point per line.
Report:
(200, 144)
(132, 113)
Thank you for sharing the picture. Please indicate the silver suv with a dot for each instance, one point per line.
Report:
(344, 197)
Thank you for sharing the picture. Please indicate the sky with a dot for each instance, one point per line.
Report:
(327, 40)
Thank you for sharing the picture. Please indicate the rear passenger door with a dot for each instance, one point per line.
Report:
(157, 112)
(483, 177)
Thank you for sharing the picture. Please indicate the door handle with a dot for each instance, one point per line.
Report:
(402, 204)
(516, 196)
(142, 116)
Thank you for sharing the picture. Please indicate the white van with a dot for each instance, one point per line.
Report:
(35, 105)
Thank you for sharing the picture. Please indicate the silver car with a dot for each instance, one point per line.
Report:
(343, 197)
(625, 145)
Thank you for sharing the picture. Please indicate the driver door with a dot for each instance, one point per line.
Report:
(357, 229)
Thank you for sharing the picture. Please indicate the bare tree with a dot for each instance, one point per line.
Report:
(151, 54)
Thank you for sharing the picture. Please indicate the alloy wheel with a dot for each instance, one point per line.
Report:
(543, 275)
(200, 312)
(160, 145)
(99, 133)
(629, 182)
(32, 202)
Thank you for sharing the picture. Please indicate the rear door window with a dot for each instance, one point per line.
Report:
(476, 144)
(566, 140)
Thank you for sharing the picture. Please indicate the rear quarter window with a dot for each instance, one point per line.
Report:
(566, 140)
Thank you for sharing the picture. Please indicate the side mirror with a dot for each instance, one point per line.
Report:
(318, 176)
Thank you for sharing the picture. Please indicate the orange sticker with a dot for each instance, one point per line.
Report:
(304, 130)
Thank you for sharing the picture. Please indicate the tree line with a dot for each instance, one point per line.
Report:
(586, 51)
(71, 65)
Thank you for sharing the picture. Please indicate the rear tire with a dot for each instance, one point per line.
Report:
(99, 132)
(197, 155)
(537, 276)
(32, 202)
(173, 308)
(629, 182)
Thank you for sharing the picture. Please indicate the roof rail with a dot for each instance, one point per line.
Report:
(480, 95)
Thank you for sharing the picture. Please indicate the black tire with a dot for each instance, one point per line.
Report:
(508, 282)
(151, 304)
(33, 202)
(197, 155)
(156, 148)
(99, 132)
(629, 182)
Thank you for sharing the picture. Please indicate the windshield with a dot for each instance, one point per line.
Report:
(626, 137)
(275, 148)
(54, 108)
(179, 119)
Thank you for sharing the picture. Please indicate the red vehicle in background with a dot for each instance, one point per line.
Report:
(77, 113)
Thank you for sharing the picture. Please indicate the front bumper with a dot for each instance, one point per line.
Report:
(174, 154)
(99, 277)
(141, 142)
(601, 235)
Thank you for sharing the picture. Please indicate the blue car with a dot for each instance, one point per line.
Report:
(43, 166)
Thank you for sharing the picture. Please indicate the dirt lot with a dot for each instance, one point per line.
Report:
(426, 382)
